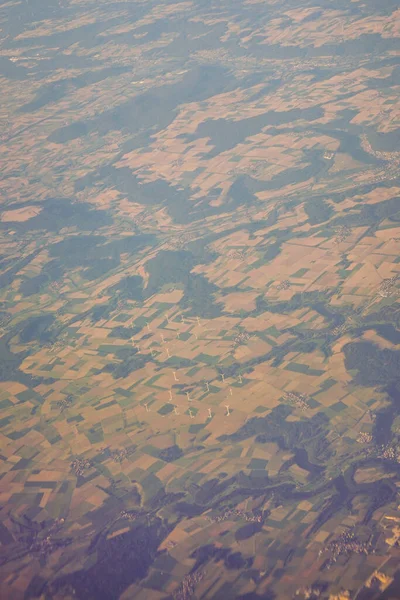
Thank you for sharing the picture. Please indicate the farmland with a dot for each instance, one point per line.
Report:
(199, 300)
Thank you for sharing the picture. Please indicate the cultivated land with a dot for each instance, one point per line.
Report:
(199, 319)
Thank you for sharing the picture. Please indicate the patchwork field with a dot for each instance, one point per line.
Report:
(199, 300)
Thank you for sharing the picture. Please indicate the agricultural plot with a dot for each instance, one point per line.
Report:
(199, 301)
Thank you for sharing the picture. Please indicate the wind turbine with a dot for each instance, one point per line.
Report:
(162, 338)
(209, 413)
(227, 410)
(188, 397)
(168, 354)
(223, 378)
(191, 414)
(198, 321)
(146, 407)
(148, 327)
(230, 391)
(175, 377)
(240, 379)
(176, 410)
(207, 386)
(170, 394)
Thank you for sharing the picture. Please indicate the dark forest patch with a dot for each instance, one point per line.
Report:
(54, 91)
(225, 134)
(121, 561)
(33, 285)
(58, 213)
(153, 110)
(35, 328)
(372, 364)
(318, 211)
(128, 288)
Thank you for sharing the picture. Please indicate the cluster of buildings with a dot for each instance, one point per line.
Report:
(187, 587)
(235, 513)
(80, 465)
(299, 400)
(387, 286)
(346, 543)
